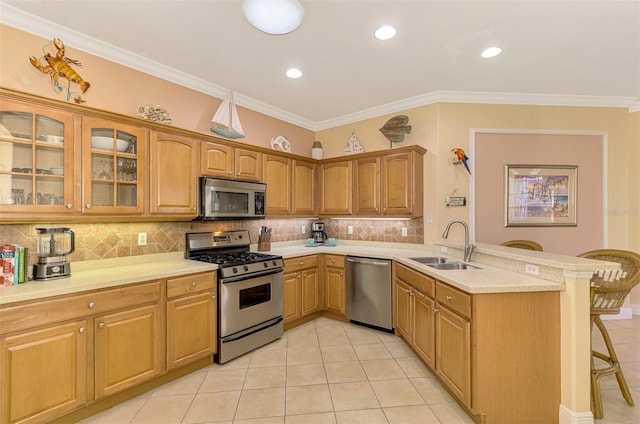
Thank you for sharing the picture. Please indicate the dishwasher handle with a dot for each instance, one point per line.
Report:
(367, 262)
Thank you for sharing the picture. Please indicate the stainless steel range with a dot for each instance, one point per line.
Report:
(249, 290)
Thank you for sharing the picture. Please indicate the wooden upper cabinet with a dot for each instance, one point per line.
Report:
(113, 167)
(335, 188)
(366, 182)
(36, 160)
(401, 174)
(220, 160)
(277, 177)
(248, 165)
(174, 174)
(304, 188)
(217, 160)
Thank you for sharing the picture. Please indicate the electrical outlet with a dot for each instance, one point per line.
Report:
(303, 229)
(350, 229)
(444, 249)
(429, 218)
(142, 239)
(532, 269)
(404, 232)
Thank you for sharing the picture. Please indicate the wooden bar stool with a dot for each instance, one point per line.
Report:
(523, 244)
(608, 292)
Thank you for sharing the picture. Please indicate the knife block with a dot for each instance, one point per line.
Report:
(264, 242)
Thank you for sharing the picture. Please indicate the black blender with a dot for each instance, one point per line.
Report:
(53, 247)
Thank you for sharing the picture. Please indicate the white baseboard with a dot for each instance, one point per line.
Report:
(635, 309)
(567, 416)
(625, 313)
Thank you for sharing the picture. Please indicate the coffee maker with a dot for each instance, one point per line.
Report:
(317, 232)
(53, 247)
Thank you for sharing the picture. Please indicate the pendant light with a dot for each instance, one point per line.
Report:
(275, 17)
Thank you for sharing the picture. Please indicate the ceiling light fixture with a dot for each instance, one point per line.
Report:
(294, 73)
(491, 52)
(385, 32)
(275, 17)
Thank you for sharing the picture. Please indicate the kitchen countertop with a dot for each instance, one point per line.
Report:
(106, 273)
(487, 279)
(501, 269)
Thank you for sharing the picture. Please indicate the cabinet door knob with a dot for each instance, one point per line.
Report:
(69, 205)
(341, 274)
(88, 206)
(333, 261)
(448, 298)
(194, 284)
(101, 325)
(301, 263)
(238, 174)
(92, 305)
(435, 310)
(81, 330)
(213, 297)
(230, 173)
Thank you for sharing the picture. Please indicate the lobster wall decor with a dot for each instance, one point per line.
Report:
(60, 66)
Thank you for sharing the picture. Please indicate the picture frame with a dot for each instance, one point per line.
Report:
(540, 195)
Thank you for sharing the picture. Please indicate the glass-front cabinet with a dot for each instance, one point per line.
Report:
(113, 180)
(36, 159)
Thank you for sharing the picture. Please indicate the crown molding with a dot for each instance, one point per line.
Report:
(21, 20)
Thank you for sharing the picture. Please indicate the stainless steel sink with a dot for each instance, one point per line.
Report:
(430, 260)
(439, 262)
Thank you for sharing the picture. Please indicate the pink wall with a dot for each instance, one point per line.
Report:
(117, 88)
(494, 151)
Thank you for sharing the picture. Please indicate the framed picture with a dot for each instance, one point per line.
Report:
(540, 195)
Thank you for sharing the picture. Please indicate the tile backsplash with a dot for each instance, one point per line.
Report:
(112, 240)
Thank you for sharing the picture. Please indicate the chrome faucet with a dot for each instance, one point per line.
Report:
(468, 248)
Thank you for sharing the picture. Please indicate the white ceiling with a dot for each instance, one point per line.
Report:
(555, 52)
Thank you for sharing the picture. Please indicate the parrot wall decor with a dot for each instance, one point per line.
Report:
(462, 158)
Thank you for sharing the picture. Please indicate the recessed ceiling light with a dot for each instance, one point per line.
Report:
(294, 73)
(491, 52)
(385, 32)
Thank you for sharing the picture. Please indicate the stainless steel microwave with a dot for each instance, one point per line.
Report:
(229, 199)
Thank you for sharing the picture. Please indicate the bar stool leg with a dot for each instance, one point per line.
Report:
(612, 359)
(596, 400)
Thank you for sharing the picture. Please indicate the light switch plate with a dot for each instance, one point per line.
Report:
(303, 229)
(404, 232)
(350, 229)
(142, 239)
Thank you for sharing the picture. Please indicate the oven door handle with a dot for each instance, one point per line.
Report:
(249, 331)
(248, 276)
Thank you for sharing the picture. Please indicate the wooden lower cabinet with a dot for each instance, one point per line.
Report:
(414, 312)
(191, 318)
(453, 353)
(498, 354)
(301, 288)
(44, 372)
(60, 355)
(335, 284)
(128, 349)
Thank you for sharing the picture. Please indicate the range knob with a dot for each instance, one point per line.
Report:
(265, 264)
(246, 267)
(274, 263)
(235, 270)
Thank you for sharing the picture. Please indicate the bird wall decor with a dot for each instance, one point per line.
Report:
(461, 157)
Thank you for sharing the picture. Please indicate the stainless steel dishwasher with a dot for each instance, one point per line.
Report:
(368, 282)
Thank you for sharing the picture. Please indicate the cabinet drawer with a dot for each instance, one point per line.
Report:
(191, 284)
(74, 306)
(302, 262)
(420, 282)
(454, 299)
(336, 261)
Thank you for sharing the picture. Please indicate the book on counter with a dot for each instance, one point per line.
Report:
(12, 264)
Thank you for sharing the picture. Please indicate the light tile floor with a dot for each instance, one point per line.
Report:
(331, 372)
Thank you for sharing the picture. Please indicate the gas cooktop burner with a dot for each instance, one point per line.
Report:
(231, 259)
(230, 251)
